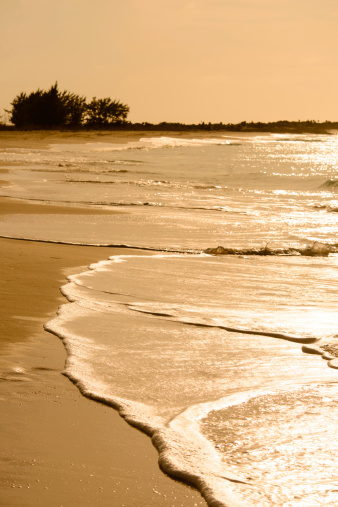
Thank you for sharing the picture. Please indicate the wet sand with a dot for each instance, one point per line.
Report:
(59, 448)
(15, 206)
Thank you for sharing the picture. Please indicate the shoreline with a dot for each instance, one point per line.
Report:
(61, 448)
(172, 128)
(41, 139)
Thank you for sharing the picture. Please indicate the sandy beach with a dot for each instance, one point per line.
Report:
(59, 448)
(43, 138)
(204, 353)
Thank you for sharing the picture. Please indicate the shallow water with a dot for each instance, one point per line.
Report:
(206, 353)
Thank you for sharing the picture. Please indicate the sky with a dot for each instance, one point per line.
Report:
(187, 61)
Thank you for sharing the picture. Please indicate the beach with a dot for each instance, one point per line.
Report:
(43, 138)
(168, 307)
(60, 448)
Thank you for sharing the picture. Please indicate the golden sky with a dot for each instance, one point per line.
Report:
(178, 60)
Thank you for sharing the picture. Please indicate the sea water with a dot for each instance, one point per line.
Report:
(222, 343)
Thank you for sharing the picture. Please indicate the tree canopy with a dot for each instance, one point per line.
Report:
(102, 112)
(53, 108)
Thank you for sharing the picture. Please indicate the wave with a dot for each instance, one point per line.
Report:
(330, 208)
(184, 451)
(146, 143)
(207, 187)
(124, 204)
(85, 171)
(326, 347)
(315, 250)
(331, 184)
(192, 321)
(94, 167)
(96, 147)
(142, 182)
(171, 439)
(288, 449)
(105, 162)
(174, 142)
(139, 183)
(300, 138)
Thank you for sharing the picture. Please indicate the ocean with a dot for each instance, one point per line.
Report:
(219, 339)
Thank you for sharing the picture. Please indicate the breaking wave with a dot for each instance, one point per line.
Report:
(173, 142)
(330, 184)
(315, 250)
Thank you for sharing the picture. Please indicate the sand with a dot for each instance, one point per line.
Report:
(58, 447)
(43, 138)
(9, 205)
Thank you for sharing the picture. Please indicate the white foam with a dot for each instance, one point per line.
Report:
(166, 377)
(174, 142)
(161, 374)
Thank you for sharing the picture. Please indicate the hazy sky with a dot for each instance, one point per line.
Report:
(178, 60)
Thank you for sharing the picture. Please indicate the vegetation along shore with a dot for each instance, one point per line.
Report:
(55, 109)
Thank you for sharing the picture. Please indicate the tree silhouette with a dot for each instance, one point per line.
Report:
(25, 109)
(52, 108)
(75, 109)
(104, 112)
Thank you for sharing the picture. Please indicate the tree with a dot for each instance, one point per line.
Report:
(47, 109)
(39, 109)
(24, 109)
(75, 109)
(105, 112)
(52, 108)
(50, 111)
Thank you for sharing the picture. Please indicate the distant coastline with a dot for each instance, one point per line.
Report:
(279, 127)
